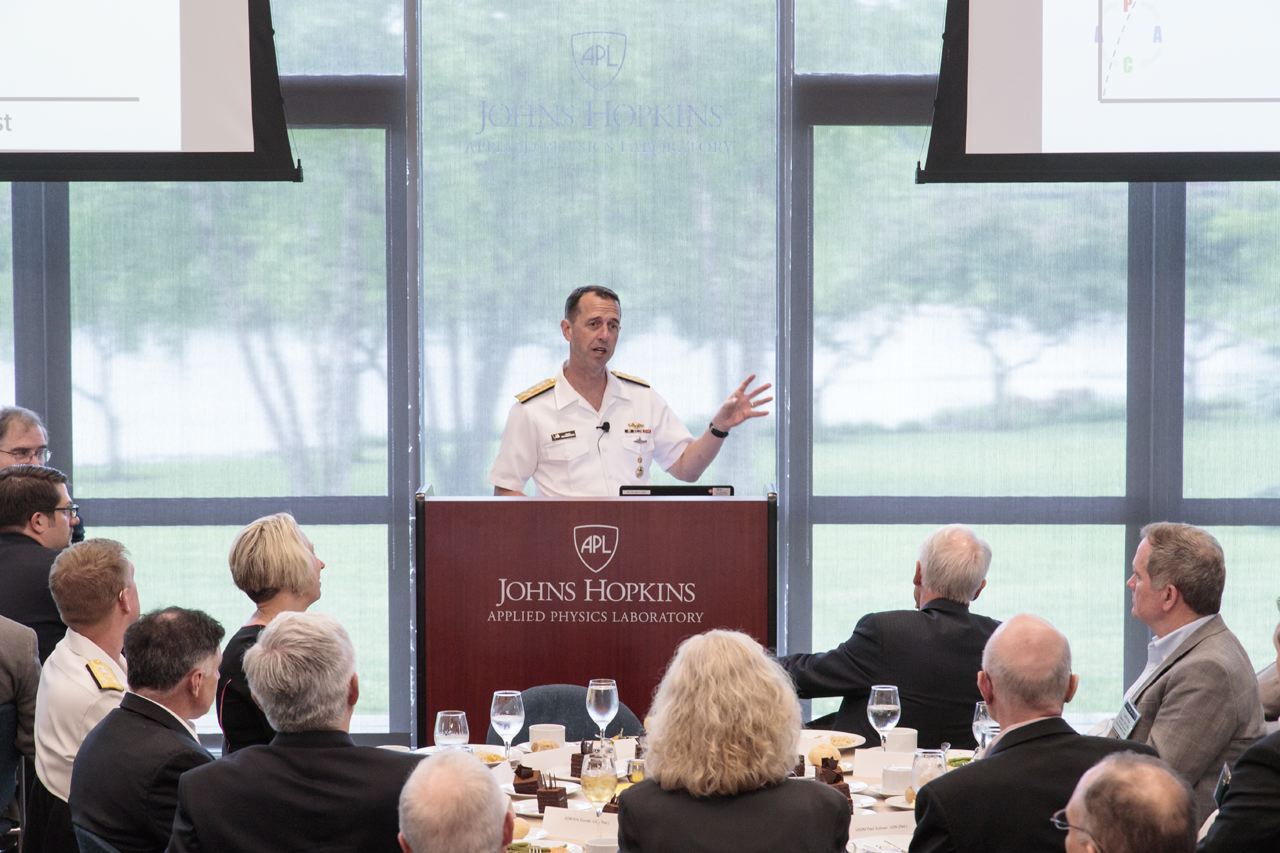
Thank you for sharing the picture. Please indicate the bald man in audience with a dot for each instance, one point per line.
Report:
(82, 681)
(1130, 804)
(1003, 802)
(1197, 699)
(931, 653)
(311, 788)
(452, 804)
(124, 786)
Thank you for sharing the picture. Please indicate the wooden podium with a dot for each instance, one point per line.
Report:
(514, 592)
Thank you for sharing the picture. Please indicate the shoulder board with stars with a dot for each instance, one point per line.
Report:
(541, 388)
(103, 676)
(636, 380)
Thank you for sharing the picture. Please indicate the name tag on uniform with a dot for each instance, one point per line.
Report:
(1126, 720)
(561, 436)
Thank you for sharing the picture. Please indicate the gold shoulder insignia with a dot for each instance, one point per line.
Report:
(104, 676)
(541, 388)
(626, 378)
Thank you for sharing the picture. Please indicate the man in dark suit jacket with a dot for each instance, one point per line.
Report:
(1003, 802)
(124, 784)
(35, 526)
(932, 653)
(1250, 815)
(311, 788)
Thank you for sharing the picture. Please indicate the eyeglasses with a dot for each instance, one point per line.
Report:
(1059, 820)
(72, 510)
(29, 455)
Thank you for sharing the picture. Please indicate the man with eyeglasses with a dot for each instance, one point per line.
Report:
(24, 440)
(1129, 803)
(36, 514)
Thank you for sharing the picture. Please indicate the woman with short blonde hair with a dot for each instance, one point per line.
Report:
(274, 563)
(723, 734)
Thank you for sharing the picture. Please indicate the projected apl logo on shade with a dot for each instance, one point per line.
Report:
(595, 545)
(598, 57)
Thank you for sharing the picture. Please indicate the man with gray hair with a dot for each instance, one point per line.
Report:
(1130, 804)
(1004, 802)
(452, 804)
(1197, 700)
(932, 653)
(311, 788)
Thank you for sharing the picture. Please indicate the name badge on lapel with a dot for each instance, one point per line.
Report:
(1126, 720)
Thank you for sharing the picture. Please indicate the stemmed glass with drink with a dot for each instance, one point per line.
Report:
(602, 702)
(451, 729)
(599, 778)
(984, 725)
(506, 715)
(884, 709)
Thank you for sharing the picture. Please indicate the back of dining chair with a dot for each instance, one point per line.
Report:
(566, 704)
(91, 843)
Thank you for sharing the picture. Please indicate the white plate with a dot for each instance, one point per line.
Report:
(843, 741)
(552, 844)
(570, 788)
(899, 802)
(529, 808)
(877, 791)
(480, 750)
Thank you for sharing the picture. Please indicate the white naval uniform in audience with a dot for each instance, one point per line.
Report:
(553, 435)
(79, 685)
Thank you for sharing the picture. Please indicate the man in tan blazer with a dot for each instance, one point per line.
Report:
(1197, 700)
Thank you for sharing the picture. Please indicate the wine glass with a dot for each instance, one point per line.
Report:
(884, 709)
(927, 765)
(599, 778)
(506, 715)
(451, 729)
(602, 702)
(982, 723)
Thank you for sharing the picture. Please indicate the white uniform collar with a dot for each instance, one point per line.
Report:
(567, 395)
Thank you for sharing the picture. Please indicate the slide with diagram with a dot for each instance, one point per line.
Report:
(1188, 50)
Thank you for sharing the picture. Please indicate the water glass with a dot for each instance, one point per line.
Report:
(451, 729)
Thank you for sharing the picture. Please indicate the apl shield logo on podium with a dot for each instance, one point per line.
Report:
(596, 544)
(598, 57)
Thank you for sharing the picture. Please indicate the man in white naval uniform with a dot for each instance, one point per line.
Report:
(589, 430)
(85, 677)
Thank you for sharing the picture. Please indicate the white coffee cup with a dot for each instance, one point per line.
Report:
(600, 845)
(900, 739)
(895, 779)
(539, 732)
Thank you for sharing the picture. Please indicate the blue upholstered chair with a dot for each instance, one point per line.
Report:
(566, 704)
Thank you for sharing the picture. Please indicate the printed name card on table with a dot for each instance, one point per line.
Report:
(888, 823)
(870, 763)
(579, 824)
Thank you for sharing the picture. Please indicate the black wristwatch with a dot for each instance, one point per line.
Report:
(718, 433)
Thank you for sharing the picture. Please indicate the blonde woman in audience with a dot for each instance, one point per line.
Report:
(273, 563)
(723, 736)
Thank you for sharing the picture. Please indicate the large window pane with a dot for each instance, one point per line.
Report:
(869, 36)
(1232, 343)
(968, 340)
(568, 144)
(1250, 600)
(339, 36)
(230, 339)
(1072, 576)
(187, 567)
